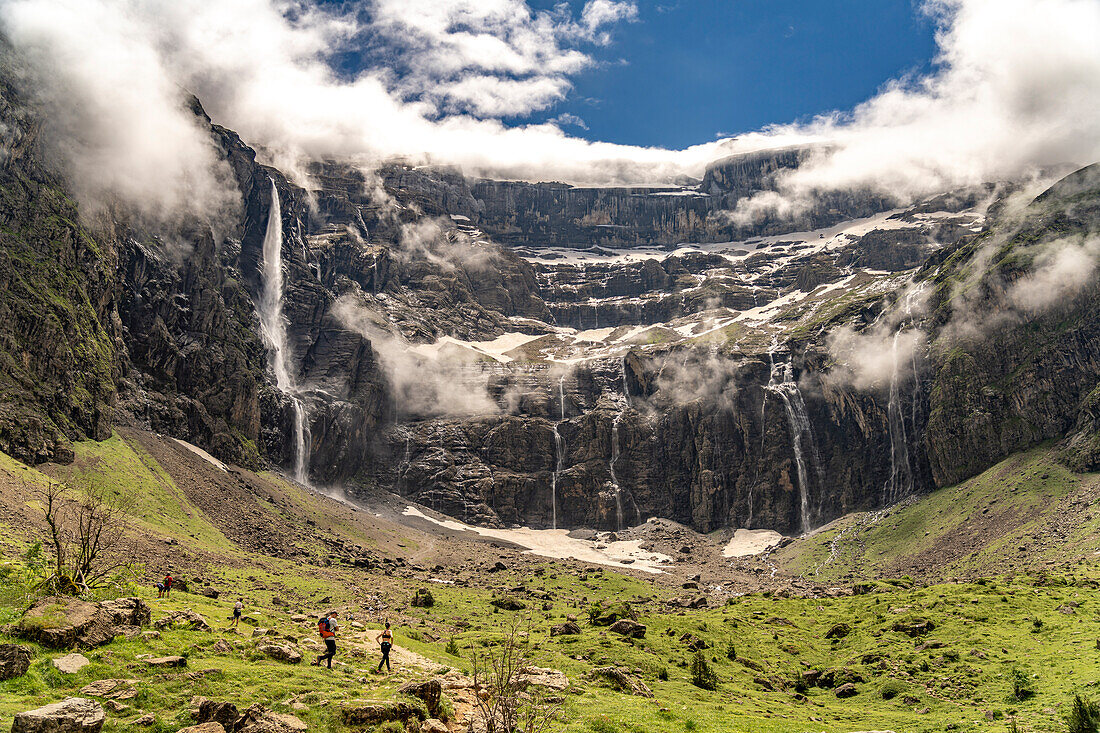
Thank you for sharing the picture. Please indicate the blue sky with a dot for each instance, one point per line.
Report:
(688, 70)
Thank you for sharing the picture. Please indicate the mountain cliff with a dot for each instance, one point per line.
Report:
(549, 381)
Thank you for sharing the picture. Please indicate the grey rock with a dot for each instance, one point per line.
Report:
(71, 715)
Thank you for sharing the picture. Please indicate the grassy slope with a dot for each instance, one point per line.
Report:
(987, 627)
(1026, 508)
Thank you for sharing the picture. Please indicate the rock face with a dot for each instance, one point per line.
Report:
(57, 621)
(628, 628)
(71, 715)
(678, 402)
(431, 692)
(15, 660)
(70, 663)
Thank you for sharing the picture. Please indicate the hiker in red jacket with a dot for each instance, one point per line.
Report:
(327, 627)
(167, 582)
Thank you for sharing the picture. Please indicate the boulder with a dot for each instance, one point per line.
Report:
(206, 591)
(203, 728)
(281, 653)
(569, 628)
(693, 642)
(423, 598)
(914, 627)
(223, 713)
(188, 618)
(57, 621)
(113, 689)
(169, 661)
(549, 679)
(623, 681)
(70, 663)
(628, 628)
(610, 615)
(146, 720)
(375, 713)
(269, 722)
(126, 612)
(431, 725)
(71, 715)
(846, 690)
(838, 631)
(431, 692)
(115, 707)
(507, 603)
(15, 660)
(221, 646)
(260, 631)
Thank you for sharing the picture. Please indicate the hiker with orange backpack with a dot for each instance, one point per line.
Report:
(327, 627)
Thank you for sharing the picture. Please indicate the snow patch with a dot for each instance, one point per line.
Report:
(748, 542)
(557, 543)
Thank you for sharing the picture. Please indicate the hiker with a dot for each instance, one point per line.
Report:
(160, 589)
(237, 608)
(386, 640)
(327, 627)
(167, 585)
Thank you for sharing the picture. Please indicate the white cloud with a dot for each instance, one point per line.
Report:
(1016, 85)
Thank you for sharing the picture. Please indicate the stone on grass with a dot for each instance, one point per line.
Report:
(374, 713)
(223, 713)
(115, 706)
(150, 635)
(15, 660)
(260, 631)
(549, 679)
(280, 653)
(508, 603)
(187, 618)
(628, 628)
(203, 728)
(221, 646)
(693, 642)
(169, 661)
(623, 681)
(147, 719)
(569, 628)
(430, 692)
(431, 725)
(57, 621)
(914, 627)
(114, 689)
(71, 715)
(70, 663)
(838, 631)
(846, 690)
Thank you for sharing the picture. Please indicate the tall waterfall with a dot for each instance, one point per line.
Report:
(900, 482)
(559, 456)
(802, 435)
(611, 465)
(273, 330)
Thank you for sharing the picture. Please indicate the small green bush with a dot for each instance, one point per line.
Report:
(891, 689)
(452, 648)
(1022, 686)
(662, 674)
(731, 651)
(1084, 716)
(702, 676)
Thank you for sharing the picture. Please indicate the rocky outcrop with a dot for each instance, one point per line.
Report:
(71, 715)
(15, 660)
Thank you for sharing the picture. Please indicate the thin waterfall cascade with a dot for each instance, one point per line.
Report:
(559, 451)
(626, 385)
(615, 452)
(902, 481)
(561, 395)
(273, 330)
(801, 432)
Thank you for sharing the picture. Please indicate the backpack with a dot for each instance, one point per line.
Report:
(323, 628)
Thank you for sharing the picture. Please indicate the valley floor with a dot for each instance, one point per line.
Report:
(1003, 568)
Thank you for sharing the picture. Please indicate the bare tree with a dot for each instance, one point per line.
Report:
(503, 703)
(85, 528)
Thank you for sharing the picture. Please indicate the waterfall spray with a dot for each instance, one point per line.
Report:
(273, 330)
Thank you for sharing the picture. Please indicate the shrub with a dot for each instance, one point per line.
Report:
(1036, 625)
(689, 724)
(891, 689)
(393, 726)
(452, 648)
(1084, 716)
(702, 676)
(731, 651)
(662, 674)
(1022, 687)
